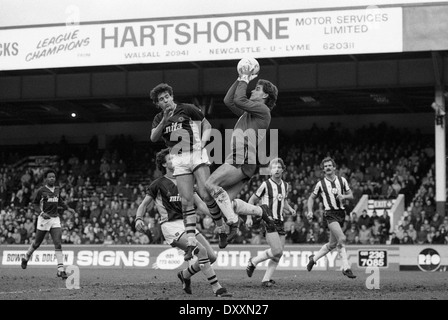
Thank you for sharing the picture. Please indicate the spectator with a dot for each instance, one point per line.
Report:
(422, 235)
(394, 239)
(430, 235)
(75, 238)
(412, 232)
(364, 220)
(302, 235)
(364, 234)
(351, 234)
(406, 239)
(292, 235)
(399, 232)
(323, 236)
(310, 237)
(438, 238)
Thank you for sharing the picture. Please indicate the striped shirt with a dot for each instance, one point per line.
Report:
(166, 196)
(273, 195)
(329, 191)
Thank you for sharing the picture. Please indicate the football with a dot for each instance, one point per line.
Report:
(251, 62)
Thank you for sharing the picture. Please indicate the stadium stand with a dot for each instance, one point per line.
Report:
(106, 186)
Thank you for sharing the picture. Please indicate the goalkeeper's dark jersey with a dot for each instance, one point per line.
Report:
(166, 196)
(49, 201)
(254, 116)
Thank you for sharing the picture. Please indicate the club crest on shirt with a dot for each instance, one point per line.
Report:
(334, 190)
(181, 119)
(280, 197)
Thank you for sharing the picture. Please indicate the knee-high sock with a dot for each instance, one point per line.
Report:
(190, 225)
(191, 270)
(59, 259)
(209, 273)
(263, 256)
(322, 252)
(272, 265)
(223, 201)
(343, 253)
(242, 207)
(215, 212)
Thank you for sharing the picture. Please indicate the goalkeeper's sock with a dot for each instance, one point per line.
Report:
(322, 252)
(263, 256)
(343, 254)
(242, 207)
(225, 204)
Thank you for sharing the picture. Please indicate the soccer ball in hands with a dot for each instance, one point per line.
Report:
(251, 62)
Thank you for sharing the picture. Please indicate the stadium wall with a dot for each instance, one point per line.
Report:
(427, 258)
(82, 133)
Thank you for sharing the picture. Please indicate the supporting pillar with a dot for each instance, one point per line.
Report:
(440, 151)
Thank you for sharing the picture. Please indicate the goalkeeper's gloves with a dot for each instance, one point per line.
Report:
(247, 77)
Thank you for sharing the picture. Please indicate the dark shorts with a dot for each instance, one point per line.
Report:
(278, 228)
(249, 170)
(334, 216)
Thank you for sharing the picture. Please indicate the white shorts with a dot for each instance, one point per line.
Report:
(47, 224)
(186, 163)
(173, 230)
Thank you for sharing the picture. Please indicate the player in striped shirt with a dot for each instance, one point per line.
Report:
(273, 193)
(47, 201)
(185, 130)
(165, 194)
(333, 190)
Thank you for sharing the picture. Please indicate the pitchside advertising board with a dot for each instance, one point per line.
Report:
(394, 258)
(78, 37)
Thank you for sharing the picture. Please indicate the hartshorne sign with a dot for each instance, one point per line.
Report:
(202, 37)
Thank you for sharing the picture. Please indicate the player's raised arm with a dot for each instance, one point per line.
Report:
(229, 100)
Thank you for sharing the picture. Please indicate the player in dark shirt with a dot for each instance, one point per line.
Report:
(185, 131)
(165, 193)
(47, 201)
(225, 183)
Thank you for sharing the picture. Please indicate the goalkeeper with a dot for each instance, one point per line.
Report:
(254, 113)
